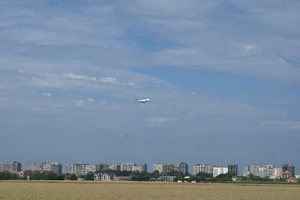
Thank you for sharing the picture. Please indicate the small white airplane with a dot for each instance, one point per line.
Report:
(142, 100)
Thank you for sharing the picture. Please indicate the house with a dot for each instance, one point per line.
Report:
(286, 174)
(236, 178)
(104, 175)
(292, 180)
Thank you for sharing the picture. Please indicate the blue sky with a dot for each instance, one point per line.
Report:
(222, 76)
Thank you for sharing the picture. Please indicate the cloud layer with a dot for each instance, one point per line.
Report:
(222, 69)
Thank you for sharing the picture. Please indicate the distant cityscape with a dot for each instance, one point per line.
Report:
(81, 169)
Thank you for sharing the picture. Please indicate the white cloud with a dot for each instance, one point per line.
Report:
(108, 79)
(46, 94)
(289, 125)
(249, 47)
(90, 100)
(132, 84)
(82, 77)
(159, 120)
(79, 103)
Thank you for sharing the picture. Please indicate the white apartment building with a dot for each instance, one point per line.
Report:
(52, 166)
(45, 166)
(76, 168)
(246, 171)
(209, 169)
(90, 168)
(159, 167)
(260, 170)
(219, 170)
(127, 166)
(277, 173)
(168, 167)
(34, 166)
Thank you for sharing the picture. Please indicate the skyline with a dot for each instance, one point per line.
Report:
(223, 79)
(46, 165)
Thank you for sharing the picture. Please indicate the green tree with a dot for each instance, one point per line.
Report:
(155, 174)
(73, 177)
(60, 177)
(15, 176)
(5, 175)
(89, 176)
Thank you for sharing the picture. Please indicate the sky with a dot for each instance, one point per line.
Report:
(223, 78)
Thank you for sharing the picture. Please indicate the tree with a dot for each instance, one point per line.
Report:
(5, 175)
(89, 176)
(73, 177)
(60, 177)
(155, 174)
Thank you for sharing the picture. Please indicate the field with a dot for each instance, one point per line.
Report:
(142, 190)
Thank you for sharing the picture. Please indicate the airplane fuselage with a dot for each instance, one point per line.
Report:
(142, 100)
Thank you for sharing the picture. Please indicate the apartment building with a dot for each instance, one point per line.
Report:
(168, 167)
(219, 170)
(290, 168)
(158, 167)
(206, 168)
(233, 169)
(277, 173)
(10, 166)
(79, 169)
(260, 170)
(45, 166)
(34, 166)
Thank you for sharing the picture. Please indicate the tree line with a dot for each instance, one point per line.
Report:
(137, 176)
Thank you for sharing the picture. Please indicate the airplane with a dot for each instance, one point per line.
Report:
(142, 100)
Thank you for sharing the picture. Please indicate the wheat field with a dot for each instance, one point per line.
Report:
(31, 190)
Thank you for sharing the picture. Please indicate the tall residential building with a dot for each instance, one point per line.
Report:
(90, 168)
(127, 166)
(45, 166)
(246, 171)
(290, 168)
(144, 167)
(140, 168)
(52, 166)
(183, 167)
(277, 173)
(76, 168)
(102, 166)
(263, 171)
(34, 166)
(10, 166)
(220, 170)
(233, 169)
(56, 167)
(158, 167)
(209, 169)
(168, 167)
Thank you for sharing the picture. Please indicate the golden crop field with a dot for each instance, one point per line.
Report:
(31, 190)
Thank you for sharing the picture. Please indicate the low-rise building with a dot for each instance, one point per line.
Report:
(292, 180)
(105, 175)
(166, 178)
